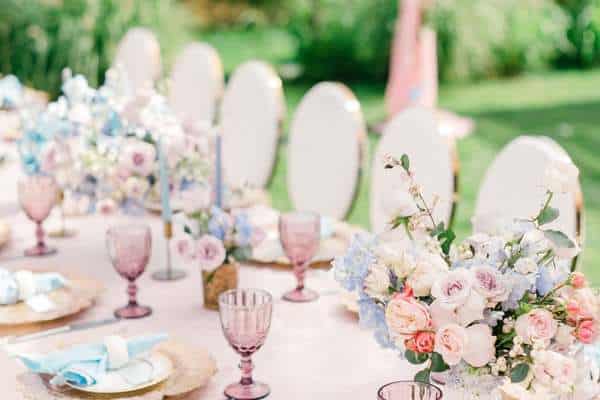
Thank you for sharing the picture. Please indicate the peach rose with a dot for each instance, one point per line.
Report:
(406, 316)
(451, 343)
(421, 342)
(481, 349)
(537, 324)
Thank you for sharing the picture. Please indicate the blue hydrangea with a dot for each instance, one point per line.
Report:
(372, 316)
(243, 230)
(219, 224)
(351, 269)
(112, 125)
(520, 285)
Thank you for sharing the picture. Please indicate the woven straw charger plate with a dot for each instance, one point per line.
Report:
(78, 295)
(192, 369)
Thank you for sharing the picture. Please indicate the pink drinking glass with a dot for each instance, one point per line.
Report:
(409, 390)
(300, 234)
(245, 319)
(37, 195)
(129, 249)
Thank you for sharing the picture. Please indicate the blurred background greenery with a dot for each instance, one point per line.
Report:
(515, 66)
(312, 40)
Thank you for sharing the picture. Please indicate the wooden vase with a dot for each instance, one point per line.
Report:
(218, 281)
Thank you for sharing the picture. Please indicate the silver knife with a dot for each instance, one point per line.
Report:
(77, 326)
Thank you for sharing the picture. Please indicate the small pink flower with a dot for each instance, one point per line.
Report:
(106, 206)
(537, 324)
(210, 252)
(578, 280)
(406, 316)
(587, 331)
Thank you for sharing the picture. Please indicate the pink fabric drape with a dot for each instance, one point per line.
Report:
(403, 82)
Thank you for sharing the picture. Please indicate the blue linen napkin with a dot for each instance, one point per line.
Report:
(11, 292)
(82, 365)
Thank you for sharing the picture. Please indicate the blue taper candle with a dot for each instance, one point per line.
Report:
(218, 173)
(165, 193)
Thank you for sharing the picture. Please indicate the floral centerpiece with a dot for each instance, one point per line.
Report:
(113, 140)
(501, 315)
(217, 240)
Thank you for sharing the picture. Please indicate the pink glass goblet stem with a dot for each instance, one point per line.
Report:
(246, 318)
(409, 390)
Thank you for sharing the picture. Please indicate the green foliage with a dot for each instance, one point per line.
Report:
(423, 376)
(519, 373)
(415, 358)
(438, 364)
(38, 38)
(583, 34)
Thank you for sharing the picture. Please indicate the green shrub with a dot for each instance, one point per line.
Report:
(350, 39)
(583, 34)
(38, 38)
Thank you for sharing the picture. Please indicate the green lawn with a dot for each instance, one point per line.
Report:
(564, 106)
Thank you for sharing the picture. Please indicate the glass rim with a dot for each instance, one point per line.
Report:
(431, 386)
(263, 292)
(300, 213)
(133, 225)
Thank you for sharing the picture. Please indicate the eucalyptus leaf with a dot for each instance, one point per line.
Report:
(519, 373)
(559, 239)
(187, 230)
(547, 215)
(405, 162)
(423, 376)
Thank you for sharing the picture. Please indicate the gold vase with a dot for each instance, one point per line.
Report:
(218, 281)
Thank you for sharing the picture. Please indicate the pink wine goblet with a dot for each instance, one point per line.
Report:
(129, 248)
(245, 319)
(409, 390)
(37, 195)
(300, 234)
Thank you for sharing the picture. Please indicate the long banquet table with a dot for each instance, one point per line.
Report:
(314, 350)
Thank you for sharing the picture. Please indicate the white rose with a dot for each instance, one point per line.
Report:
(526, 266)
(561, 176)
(429, 268)
(396, 257)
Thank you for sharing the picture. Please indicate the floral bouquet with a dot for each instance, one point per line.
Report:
(216, 240)
(498, 316)
(114, 142)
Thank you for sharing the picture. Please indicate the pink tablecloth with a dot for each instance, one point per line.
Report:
(314, 351)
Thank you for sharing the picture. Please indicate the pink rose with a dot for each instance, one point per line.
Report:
(138, 157)
(421, 342)
(481, 349)
(578, 280)
(406, 316)
(451, 343)
(106, 206)
(587, 331)
(210, 252)
(537, 324)
(488, 282)
(185, 247)
(553, 369)
(456, 294)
